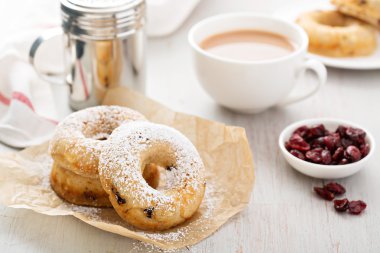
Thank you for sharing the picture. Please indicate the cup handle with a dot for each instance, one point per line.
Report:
(320, 71)
(51, 77)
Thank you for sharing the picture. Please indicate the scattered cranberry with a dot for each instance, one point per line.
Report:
(297, 154)
(356, 206)
(323, 193)
(335, 188)
(341, 205)
(331, 189)
(318, 145)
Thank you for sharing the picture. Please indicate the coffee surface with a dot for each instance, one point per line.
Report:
(248, 45)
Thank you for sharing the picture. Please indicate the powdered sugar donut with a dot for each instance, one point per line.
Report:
(121, 165)
(75, 149)
(77, 140)
(78, 189)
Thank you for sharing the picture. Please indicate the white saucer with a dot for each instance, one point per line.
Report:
(291, 12)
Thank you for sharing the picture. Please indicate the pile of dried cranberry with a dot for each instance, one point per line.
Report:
(331, 189)
(316, 144)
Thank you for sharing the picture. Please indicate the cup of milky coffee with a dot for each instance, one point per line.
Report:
(250, 62)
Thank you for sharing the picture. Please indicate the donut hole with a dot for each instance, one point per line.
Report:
(98, 130)
(151, 174)
(158, 167)
(332, 19)
(157, 176)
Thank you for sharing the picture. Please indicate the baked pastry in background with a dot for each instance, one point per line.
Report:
(334, 34)
(366, 10)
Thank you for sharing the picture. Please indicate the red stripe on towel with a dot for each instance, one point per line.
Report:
(23, 99)
(4, 99)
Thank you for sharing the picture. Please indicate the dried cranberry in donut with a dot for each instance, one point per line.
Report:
(298, 143)
(352, 153)
(149, 212)
(297, 154)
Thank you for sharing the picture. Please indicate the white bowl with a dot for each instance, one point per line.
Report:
(319, 170)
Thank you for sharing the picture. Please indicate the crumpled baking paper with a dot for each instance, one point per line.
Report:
(24, 177)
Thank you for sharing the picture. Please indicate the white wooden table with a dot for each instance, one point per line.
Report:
(284, 215)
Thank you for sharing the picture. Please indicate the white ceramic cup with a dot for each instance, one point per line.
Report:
(253, 86)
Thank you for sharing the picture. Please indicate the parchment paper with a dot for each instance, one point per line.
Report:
(24, 177)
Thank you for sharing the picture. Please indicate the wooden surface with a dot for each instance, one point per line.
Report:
(283, 215)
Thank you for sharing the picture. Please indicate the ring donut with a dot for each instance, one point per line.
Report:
(337, 35)
(123, 161)
(77, 140)
(77, 189)
(75, 149)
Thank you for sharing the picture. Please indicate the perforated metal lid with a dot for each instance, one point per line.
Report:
(102, 19)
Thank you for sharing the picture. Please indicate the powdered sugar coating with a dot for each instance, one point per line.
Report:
(78, 138)
(133, 145)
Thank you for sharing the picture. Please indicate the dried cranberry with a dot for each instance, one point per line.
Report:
(338, 154)
(325, 157)
(341, 130)
(323, 193)
(314, 155)
(356, 207)
(335, 188)
(346, 142)
(317, 143)
(364, 149)
(341, 205)
(316, 131)
(297, 154)
(331, 141)
(302, 131)
(356, 134)
(352, 153)
(149, 212)
(298, 143)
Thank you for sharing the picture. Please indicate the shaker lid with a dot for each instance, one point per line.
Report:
(102, 19)
(99, 6)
